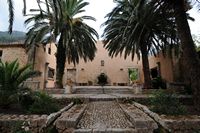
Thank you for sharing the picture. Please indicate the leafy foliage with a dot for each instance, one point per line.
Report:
(132, 24)
(133, 74)
(102, 79)
(61, 22)
(77, 101)
(133, 27)
(11, 79)
(43, 104)
(166, 103)
(76, 36)
(159, 83)
(26, 99)
(38, 103)
(19, 127)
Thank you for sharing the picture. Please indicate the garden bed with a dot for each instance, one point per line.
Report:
(19, 110)
(173, 123)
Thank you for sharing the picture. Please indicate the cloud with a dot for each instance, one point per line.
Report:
(98, 9)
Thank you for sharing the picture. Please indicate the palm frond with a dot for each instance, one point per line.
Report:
(11, 15)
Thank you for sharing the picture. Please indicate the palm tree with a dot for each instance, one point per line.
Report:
(133, 29)
(62, 20)
(11, 15)
(189, 56)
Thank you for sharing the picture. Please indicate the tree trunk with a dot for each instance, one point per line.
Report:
(189, 55)
(60, 63)
(146, 71)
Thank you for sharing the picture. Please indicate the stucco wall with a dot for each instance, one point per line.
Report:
(42, 58)
(165, 66)
(12, 53)
(116, 68)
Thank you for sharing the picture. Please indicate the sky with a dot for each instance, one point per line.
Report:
(96, 8)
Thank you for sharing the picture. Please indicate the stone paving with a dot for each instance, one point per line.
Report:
(103, 115)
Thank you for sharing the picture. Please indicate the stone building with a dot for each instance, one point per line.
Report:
(44, 61)
(116, 69)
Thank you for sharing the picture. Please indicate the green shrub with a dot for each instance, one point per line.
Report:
(19, 127)
(102, 79)
(11, 79)
(166, 103)
(188, 89)
(26, 99)
(158, 83)
(43, 104)
(77, 101)
(51, 129)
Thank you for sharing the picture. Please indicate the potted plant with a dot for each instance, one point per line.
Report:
(68, 87)
(102, 79)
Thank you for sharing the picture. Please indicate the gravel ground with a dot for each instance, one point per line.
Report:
(104, 114)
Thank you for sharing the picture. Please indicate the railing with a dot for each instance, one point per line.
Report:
(34, 85)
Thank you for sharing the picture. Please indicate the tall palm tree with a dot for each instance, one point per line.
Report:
(189, 56)
(133, 29)
(62, 20)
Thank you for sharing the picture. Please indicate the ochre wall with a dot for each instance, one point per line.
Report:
(42, 58)
(165, 66)
(116, 68)
(12, 53)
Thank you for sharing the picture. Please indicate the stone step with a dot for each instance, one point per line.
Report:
(140, 119)
(104, 115)
(101, 91)
(70, 118)
(108, 130)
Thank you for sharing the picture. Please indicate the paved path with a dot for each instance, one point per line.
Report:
(104, 115)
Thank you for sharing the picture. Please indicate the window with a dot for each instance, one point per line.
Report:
(133, 74)
(159, 68)
(49, 50)
(102, 62)
(1, 53)
(51, 72)
(154, 72)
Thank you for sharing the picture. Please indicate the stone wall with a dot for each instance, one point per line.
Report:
(14, 123)
(44, 61)
(174, 124)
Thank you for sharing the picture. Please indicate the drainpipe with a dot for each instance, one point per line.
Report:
(34, 54)
(45, 74)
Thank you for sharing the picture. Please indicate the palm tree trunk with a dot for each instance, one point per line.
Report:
(190, 58)
(146, 71)
(60, 63)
